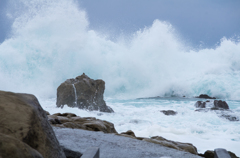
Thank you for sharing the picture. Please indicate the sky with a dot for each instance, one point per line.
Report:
(198, 22)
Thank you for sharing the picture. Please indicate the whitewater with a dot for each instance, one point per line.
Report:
(51, 41)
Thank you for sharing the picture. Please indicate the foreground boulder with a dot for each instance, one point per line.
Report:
(69, 120)
(84, 93)
(25, 127)
(14, 148)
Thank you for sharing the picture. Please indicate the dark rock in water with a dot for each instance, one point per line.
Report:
(14, 148)
(84, 93)
(217, 105)
(221, 153)
(205, 96)
(200, 104)
(71, 154)
(169, 112)
(24, 119)
(220, 104)
(69, 120)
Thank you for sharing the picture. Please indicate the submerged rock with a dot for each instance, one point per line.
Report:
(169, 112)
(69, 120)
(84, 93)
(24, 120)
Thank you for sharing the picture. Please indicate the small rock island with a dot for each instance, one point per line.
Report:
(83, 93)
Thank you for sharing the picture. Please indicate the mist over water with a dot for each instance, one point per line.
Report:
(51, 42)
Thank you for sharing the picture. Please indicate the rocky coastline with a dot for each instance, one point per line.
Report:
(26, 129)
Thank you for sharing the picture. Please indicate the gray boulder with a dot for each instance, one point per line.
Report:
(23, 118)
(84, 93)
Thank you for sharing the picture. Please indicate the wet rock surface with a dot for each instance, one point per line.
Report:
(69, 120)
(84, 93)
(24, 120)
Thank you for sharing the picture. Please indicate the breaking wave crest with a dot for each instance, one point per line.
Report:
(51, 41)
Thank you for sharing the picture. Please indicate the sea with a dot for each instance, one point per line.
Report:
(51, 41)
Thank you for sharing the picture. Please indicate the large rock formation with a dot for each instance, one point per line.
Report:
(69, 120)
(25, 127)
(84, 93)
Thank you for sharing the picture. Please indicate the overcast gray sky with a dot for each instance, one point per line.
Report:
(196, 20)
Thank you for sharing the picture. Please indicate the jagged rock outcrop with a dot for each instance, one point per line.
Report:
(84, 93)
(23, 119)
(69, 120)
